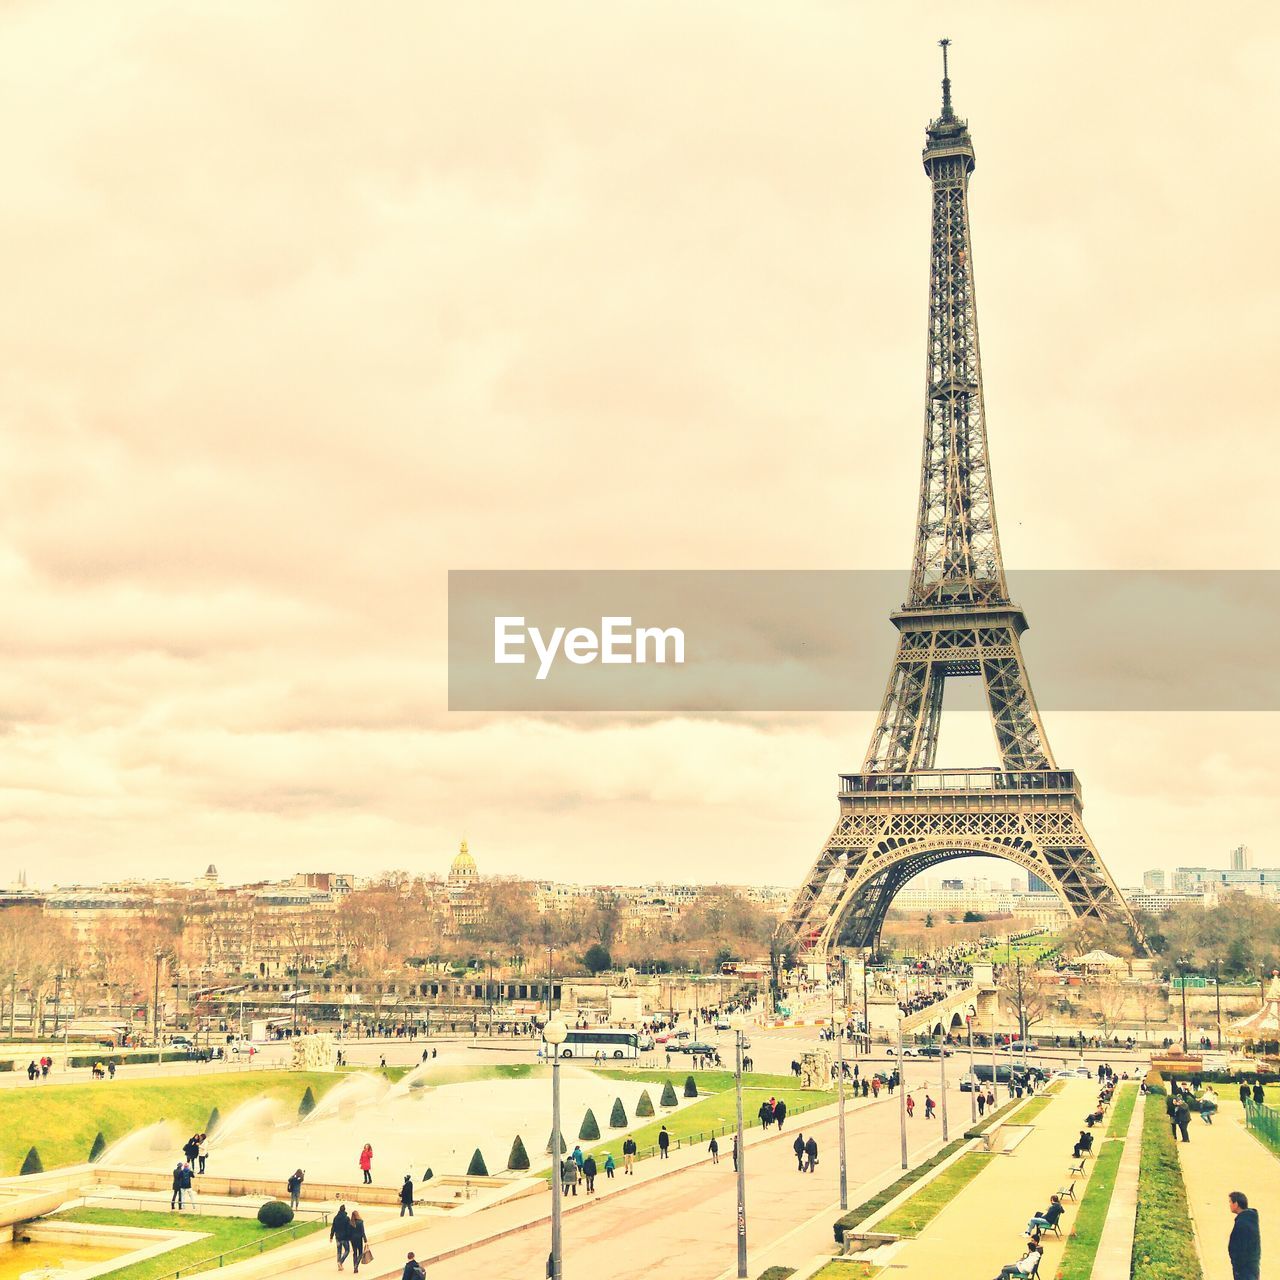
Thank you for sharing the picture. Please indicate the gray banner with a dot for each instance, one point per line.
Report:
(746, 640)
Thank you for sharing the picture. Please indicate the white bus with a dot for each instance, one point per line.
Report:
(608, 1042)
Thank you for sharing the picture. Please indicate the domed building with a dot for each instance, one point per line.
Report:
(464, 892)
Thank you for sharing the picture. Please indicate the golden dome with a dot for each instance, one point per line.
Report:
(464, 864)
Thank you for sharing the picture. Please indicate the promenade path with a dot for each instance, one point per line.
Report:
(1223, 1157)
(982, 1228)
(676, 1214)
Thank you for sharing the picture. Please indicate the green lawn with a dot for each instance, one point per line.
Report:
(1086, 1230)
(1164, 1245)
(222, 1234)
(913, 1215)
(697, 1121)
(708, 1081)
(840, 1269)
(61, 1120)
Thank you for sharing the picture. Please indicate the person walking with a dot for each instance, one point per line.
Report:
(413, 1269)
(735, 1153)
(366, 1169)
(714, 1148)
(1244, 1246)
(1182, 1118)
(175, 1200)
(628, 1155)
(810, 1154)
(911, 1107)
(664, 1141)
(798, 1147)
(875, 1087)
(340, 1234)
(1259, 1093)
(188, 1183)
(929, 1106)
(202, 1149)
(982, 1104)
(360, 1251)
(569, 1177)
(406, 1195)
(779, 1113)
(1245, 1095)
(609, 1165)
(589, 1173)
(766, 1114)
(294, 1185)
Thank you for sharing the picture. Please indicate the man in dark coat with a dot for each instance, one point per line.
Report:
(1259, 1093)
(1182, 1118)
(810, 1154)
(779, 1113)
(798, 1147)
(1244, 1093)
(175, 1200)
(406, 1196)
(1244, 1248)
(664, 1141)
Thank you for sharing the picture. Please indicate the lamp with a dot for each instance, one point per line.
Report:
(555, 1033)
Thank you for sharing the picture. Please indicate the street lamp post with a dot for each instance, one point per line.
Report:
(155, 1003)
(902, 1095)
(738, 1022)
(973, 1078)
(1217, 996)
(1182, 982)
(554, 1034)
(942, 1062)
(844, 1175)
(866, 1008)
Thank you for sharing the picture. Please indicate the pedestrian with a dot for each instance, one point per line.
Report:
(929, 1105)
(766, 1114)
(1244, 1246)
(1182, 1118)
(1208, 1104)
(576, 1156)
(779, 1113)
(735, 1153)
(1244, 1094)
(911, 1107)
(714, 1148)
(366, 1169)
(406, 1196)
(188, 1184)
(589, 1173)
(628, 1155)
(1259, 1093)
(175, 1200)
(202, 1149)
(294, 1185)
(798, 1147)
(568, 1177)
(609, 1165)
(340, 1234)
(413, 1269)
(810, 1154)
(664, 1141)
(360, 1251)
(875, 1088)
(982, 1103)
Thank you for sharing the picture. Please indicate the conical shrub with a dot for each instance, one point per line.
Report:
(645, 1106)
(590, 1130)
(32, 1163)
(690, 1087)
(550, 1138)
(477, 1169)
(99, 1146)
(519, 1157)
(618, 1116)
(669, 1098)
(308, 1103)
(214, 1120)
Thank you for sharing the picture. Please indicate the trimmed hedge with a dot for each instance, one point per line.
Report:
(590, 1131)
(690, 1087)
(1163, 1241)
(214, 1120)
(850, 1220)
(99, 1146)
(777, 1273)
(669, 1098)
(519, 1157)
(550, 1138)
(618, 1117)
(308, 1103)
(32, 1163)
(275, 1213)
(123, 1059)
(477, 1168)
(645, 1106)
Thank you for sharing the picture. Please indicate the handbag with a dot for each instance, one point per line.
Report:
(366, 1256)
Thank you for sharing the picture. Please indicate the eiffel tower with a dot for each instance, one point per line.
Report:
(901, 815)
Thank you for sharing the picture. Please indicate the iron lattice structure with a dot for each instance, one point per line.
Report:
(901, 815)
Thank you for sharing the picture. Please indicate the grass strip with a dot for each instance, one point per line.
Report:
(872, 1205)
(1086, 1232)
(777, 1273)
(847, 1269)
(221, 1235)
(913, 1215)
(1164, 1246)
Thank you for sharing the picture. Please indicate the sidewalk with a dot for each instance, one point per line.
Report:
(984, 1223)
(1225, 1157)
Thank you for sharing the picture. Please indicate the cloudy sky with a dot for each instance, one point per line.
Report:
(310, 303)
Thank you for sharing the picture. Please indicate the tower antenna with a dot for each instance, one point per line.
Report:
(947, 113)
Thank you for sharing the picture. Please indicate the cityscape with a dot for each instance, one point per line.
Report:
(325, 943)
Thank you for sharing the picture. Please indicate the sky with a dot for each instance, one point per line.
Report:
(308, 307)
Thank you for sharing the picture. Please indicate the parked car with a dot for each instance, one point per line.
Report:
(934, 1051)
(907, 1052)
(1022, 1046)
(722, 1024)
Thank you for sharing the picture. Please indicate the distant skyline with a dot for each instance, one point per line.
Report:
(314, 310)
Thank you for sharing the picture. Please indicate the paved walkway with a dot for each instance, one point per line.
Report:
(1115, 1246)
(1225, 1157)
(982, 1227)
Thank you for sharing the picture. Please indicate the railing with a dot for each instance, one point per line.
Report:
(1265, 1122)
(1061, 780)
(246, 1250)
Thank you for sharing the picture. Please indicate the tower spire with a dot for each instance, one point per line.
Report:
(947, 112)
